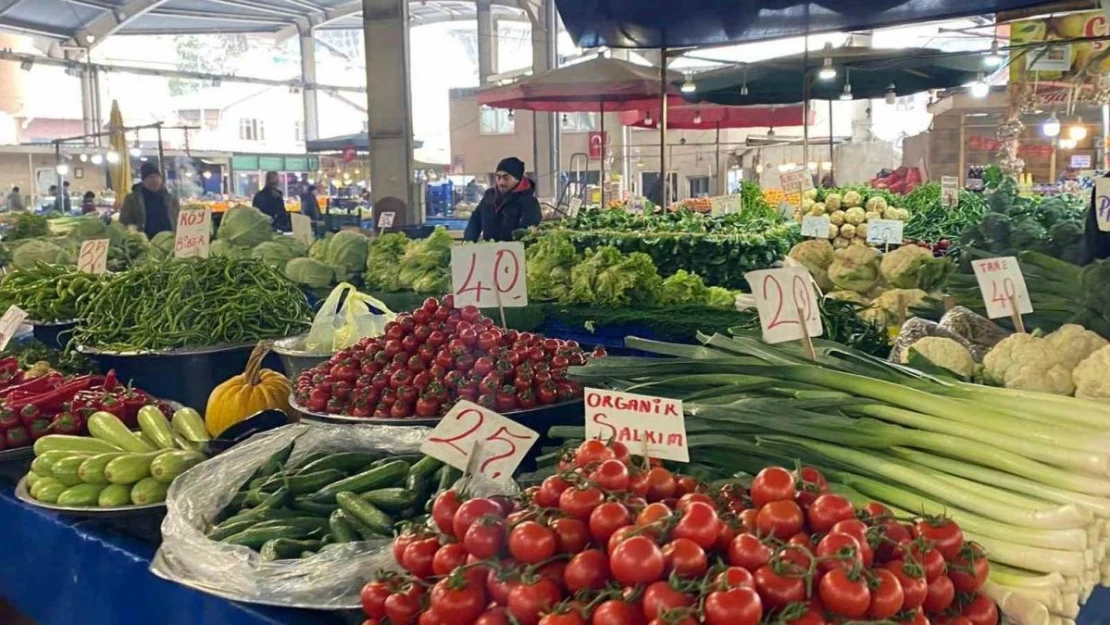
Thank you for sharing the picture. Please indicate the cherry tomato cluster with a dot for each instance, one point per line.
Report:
(616, 540)
(435, 355)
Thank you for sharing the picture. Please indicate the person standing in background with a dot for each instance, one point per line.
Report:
(509, 206)
(88, 203)
(61, 201)
(271, 201)
(14, 201)
(149, 207)
(309, 207)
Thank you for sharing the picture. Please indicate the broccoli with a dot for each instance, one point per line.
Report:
(1026, 235)
(996, 227)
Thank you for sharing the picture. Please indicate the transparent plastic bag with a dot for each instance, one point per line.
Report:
(981, 332)
(917, 328)
(330, 579)
(342, 321)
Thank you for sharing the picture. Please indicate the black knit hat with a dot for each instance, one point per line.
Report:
(512, 166)
(148, 169)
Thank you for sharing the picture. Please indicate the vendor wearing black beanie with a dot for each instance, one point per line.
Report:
(509, 206)
(149, 207)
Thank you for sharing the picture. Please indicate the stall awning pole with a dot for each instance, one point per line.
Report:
(663, 127)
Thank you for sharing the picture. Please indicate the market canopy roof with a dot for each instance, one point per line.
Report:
(360, 142)
(588, 86)
(708, 117)
(672, 24)
(870, 71)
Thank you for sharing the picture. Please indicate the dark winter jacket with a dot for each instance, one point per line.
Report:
(497, 216)
(272, 202)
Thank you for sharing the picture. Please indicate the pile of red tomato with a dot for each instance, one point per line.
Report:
(435, 355)
(615, 540)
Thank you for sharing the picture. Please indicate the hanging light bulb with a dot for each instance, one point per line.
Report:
(96, 159)
(994, 57)
(648, 121)
(759, 168)
(511, 115)
(771, 131)
(84, 158)
(697, 117)
(113, 157)
(979, 88)
(566, 120)
(208, 176)
(62, 169)
(1077, 132)
(828, 70)
(688, 85)
(744, 89)
(891, 97)
(847, 94)
(1051, 126)
(1067, 144)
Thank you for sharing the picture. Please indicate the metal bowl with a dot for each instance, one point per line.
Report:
(294, 358)
(23, 494)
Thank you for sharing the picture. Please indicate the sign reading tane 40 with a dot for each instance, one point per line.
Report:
(639, 421)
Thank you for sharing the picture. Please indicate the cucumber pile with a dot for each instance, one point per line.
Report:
(288, 511)
(115, 466)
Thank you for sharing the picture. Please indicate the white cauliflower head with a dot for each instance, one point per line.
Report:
(1074, 343)
(872, 215)
(847, 231)
(816, 255)
(810, 194)
(836, 218)
(1090, 376)
(852, 198)
(893, 306)
(876, 204)
(854, 215)
(834, 231)
(817, 209)
(832, 201)
(942, 352)
(841, 243)
(854, 269)
(861, 231)
(1022, 361)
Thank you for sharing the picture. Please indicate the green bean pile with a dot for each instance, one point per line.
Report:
(193, 303)
(47, 292)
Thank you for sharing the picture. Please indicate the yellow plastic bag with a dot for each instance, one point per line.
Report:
(345, 318)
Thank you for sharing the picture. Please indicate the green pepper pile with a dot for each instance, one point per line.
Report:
(193, 303)
(932, 221)
(48, 292)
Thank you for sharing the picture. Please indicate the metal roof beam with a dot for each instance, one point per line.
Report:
(111, 21)
(305, 4)
(33, 29)
(218, 17)
(254, 6)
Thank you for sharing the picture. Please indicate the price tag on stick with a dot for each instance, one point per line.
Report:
(302, 229)
(1003, 287)
(885, 232)
(9, 324)
(93, 257)
(489, 274)
(194, 228)
(639, 421)
(1102, 204)
(950, 191)
(816, 226)
(385, 220)
(784, 298)
(469, 430)
(796, 181)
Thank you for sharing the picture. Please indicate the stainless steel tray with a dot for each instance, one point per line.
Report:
(23, 494)
(19, 453)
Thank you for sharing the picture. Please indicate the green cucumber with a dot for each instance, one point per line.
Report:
(34, 489)
(286, 548)
(230, 528)
(167, 465)
(304, 482)
(386, 475)
(49, 489)
(411, 459)
(369, 514)
(43, 463)
(114, 495)
(306, 504)
(448, 478)
(391, 499)
(80, 495)
(346, 461)
(255, 538)
(40, 467)
(341, 530)
(91, 470)
(307, 460)
(31, 479)
(65, 470)
(364, 531)
(426, 466)
(188, 424)
(156, 428)
(65, 442)
(303, 524)
(107, 427)
(147, 491)
(275, 463)
(130, 468)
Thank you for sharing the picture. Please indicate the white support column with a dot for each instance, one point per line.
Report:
(487, 42)
(389, 106)
(308, 77)
(545, 149)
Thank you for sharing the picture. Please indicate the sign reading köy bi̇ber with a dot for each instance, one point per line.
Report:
(638, 421)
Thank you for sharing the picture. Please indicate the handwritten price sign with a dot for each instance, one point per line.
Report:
(638, 421)
(489, 275)
(950, 191)
(194, 227)
(1102, 204)
(884, 231)
(816, 226)
(797, 181)
(1002, 286)
(302, 228)
(784, 297)
(502, 443)
(385, 220)
(637, 204)
(9, 324)
(726, 204)
(93, 257)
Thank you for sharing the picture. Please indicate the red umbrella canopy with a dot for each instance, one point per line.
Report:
(710, 116)
(599, 84)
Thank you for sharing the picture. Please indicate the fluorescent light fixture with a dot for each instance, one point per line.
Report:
(688, 85)
(993, 58)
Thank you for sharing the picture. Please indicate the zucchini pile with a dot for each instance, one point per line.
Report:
(115, 466)
(289, 511)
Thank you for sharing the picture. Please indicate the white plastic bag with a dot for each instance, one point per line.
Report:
(330, 579)
(342, 321)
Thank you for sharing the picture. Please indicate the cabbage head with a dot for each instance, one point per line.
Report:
(383, 263)
(309, 272)
(295, 247)
(223, 248)
(245, 226)
(346, 254)
(273, 253)
(426, 265)
(38, 250)
(720, 298)
(319, 249)
(162, 245)
(683, 287)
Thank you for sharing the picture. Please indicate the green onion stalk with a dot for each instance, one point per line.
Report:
(1025, 474)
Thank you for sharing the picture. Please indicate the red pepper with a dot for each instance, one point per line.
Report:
(8, 420)
(110, 404)
(39, 428)
(29, 413)
(17, 437)
(37, 385)
(110, 380)
(8, 378)
(133, 399)
(9, 364)
(52, 400)
(67, 423)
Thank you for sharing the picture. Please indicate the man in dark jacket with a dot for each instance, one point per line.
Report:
(510, 206)
(271, 200)
(150, 208)
(309, 206)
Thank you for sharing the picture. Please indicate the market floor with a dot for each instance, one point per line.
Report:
(10, 616)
